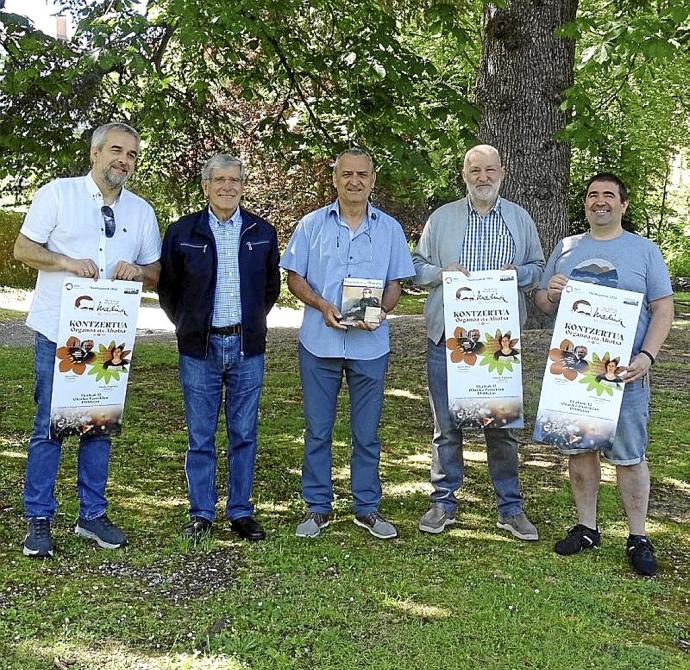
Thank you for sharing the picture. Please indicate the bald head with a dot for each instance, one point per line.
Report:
(485, 150)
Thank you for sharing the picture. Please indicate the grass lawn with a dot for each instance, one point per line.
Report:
(681, 302)
(11, 315)
(470, 598)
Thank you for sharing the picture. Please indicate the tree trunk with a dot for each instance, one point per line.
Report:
(523, 73)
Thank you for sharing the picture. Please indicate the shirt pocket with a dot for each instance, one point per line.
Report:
(256, 253)
(195, 257)
(258, 246)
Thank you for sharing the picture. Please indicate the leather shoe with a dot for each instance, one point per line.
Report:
(248, 529)
(197, 527)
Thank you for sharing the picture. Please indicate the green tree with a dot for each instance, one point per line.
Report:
(291, 80)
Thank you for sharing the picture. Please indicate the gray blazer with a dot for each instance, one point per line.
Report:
(440, 245)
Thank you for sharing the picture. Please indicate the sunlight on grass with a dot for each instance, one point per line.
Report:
(119, 657)
(269, 507)
(677, 484)
(408, 488)
(608, 473)
(483, 535)
(424, 458)
(403, 393)
(13, 454)
(541, 464)
(342, 473)
(476, 456)
(419, 609)
(137, 501)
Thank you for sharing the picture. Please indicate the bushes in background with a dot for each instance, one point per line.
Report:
(12, 273)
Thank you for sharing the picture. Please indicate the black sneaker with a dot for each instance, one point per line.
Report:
(197, 527)
(641, 555)
(578, 538)
(106, 534)
(38, 543)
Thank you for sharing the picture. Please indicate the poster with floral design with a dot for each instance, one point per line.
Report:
(583, 382)
(94, 350)
(483, 349)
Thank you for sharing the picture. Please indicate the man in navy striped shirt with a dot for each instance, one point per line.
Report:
(479, 232)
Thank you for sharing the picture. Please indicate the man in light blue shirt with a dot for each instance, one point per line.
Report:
(349, 238)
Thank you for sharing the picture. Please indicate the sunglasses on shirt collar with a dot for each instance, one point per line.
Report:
(108, 220)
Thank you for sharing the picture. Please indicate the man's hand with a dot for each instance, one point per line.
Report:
(81, 267)
(638, 368)
(128, 271)
(453, 267)
(331, 316)
(370, 325)
(508, 266)
(555, 287)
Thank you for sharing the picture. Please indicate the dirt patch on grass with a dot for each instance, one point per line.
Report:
(186, 577)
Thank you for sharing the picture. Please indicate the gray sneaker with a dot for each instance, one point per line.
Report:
(436, 519)
(519, 525)
(311, 524)
(377, 526)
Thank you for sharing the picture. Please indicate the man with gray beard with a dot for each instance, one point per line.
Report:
(80, 227)
(477, 233)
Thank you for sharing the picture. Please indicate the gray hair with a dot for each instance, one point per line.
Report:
(99, 135)
(483, 149)
(353, 151)
(220, 162)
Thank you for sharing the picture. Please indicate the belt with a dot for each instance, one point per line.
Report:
(226, 330)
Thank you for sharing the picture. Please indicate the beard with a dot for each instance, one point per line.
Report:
(485, 195)
(114, 180)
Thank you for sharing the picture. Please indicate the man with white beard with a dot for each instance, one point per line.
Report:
(477, 233)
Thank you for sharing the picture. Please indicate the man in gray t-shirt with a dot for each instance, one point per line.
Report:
(610, 256)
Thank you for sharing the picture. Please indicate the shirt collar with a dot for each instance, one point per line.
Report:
(234, 219)
(95, 192)
(496, 208)
(372, 213)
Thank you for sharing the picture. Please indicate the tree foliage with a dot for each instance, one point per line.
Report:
(286, 84)
(630, 109)
(287, 80)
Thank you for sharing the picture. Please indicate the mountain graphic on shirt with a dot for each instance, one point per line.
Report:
(596, 271)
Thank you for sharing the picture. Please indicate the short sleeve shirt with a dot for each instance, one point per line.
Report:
(324, 251)
(65, 216)
(629, 262)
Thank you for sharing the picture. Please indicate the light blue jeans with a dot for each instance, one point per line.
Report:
(321, 383)
(446, 446)
(203, 381)
(44, 452)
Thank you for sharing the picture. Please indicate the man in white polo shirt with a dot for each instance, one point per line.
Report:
(86, 227)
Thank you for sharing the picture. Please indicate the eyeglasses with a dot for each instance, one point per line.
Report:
(356, 250)
(108, 220)
(224, 181)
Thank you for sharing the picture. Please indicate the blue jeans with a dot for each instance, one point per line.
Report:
(202, 382)
(321, 383)
(446, 446)
(44, 453)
